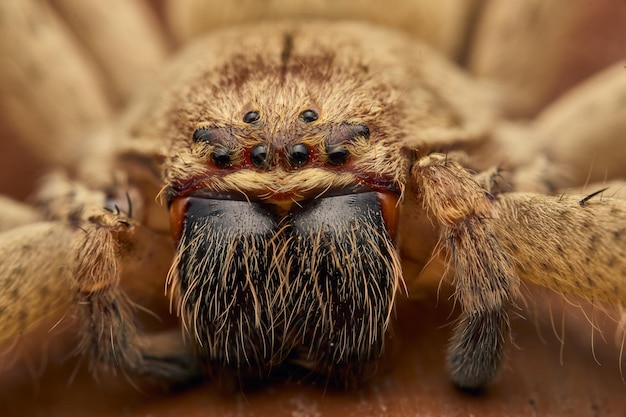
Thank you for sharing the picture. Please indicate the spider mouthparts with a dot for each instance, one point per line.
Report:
(282, 206)
(316, 284)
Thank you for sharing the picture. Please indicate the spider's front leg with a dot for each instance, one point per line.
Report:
(113, 247)
(485, 279)
(88, 261)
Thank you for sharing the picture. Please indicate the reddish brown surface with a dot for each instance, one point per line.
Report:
(20, 170)
(532, 383)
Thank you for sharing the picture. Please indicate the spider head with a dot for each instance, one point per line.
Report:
(285, 215)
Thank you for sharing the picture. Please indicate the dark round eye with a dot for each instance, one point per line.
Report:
(222, 157)
(203, 135)
(360, 130)
(308, 116)
(298, 155)
(258, 155)
(251, 117)
(337, 155)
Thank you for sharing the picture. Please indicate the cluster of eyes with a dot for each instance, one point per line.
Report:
(297, 155)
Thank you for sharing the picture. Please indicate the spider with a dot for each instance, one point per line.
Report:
(300, 164)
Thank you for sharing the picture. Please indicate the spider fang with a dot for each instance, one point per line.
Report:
(257, 286)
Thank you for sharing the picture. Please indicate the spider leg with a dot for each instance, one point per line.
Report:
(105, 30)
(573, 244)
(90, 77)
(114, 257)
(582, 132)
(14, 214)
(485, 280)
(100, 265)
(35, 278)
(59, 72)
(576, 140)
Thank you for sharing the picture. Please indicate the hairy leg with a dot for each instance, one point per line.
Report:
(573, 244)
(35, 277)
(14, 214)
(110, 247)
(486, 283)
(102, 266)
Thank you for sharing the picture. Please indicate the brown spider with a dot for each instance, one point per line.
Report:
(302, 164)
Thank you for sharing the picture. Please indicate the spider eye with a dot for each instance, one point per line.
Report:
(251, 117)
(298, 155)
(222, 157)
(203, 135)
(337, 155)
(222, 144)
(308, 116)
(360, 130)
(258, 155)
